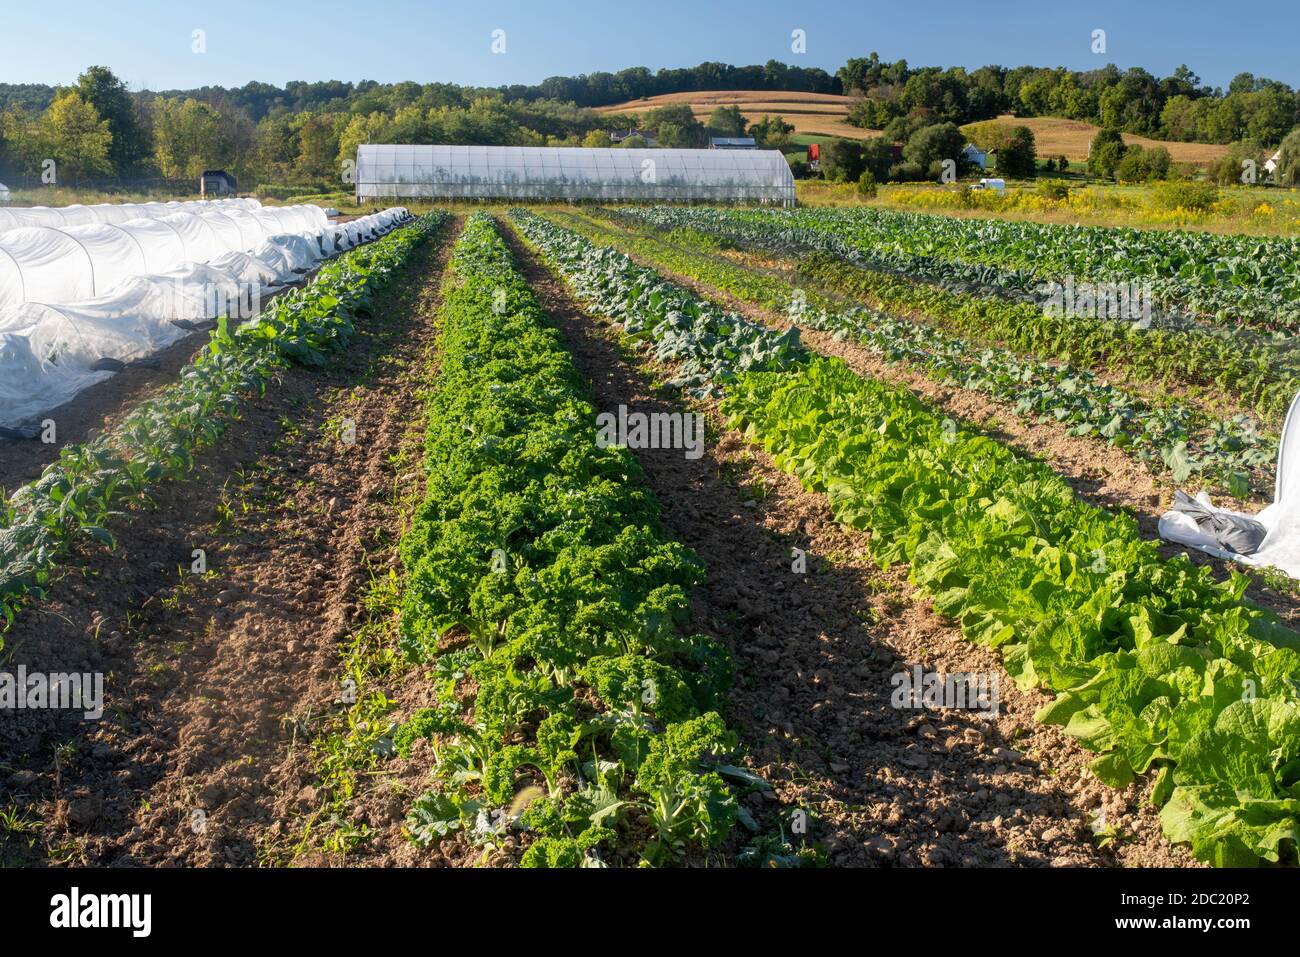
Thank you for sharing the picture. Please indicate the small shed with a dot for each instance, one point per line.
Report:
(732, 143)
(216, 182)
(975, 156)
(4, 193)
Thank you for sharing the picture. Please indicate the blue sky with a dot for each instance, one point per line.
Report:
(149, 43)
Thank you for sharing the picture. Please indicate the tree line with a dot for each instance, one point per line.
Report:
(303, 133)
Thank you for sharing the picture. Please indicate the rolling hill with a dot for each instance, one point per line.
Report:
(811, 114)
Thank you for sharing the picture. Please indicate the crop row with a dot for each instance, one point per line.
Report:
(1255, 375)
(1232, 453)
(78, 495)
(1234, 281)
(1155, 665)
(549, 599)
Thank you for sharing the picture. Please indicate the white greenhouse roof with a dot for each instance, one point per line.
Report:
(567, 173)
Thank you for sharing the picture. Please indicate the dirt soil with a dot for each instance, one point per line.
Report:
(214, 682)
(815, 655)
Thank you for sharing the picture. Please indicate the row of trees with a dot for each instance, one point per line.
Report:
(303, 133)
(1177, 107)
(675, 126)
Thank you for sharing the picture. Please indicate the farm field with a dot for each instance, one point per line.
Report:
(407, 471)
(811, 114)
(502, 638)
(1057, 136)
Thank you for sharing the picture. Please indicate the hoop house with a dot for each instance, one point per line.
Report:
(61, 264)
(527, 173)
(114, 212)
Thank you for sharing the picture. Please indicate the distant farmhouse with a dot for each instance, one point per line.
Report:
(622, 135)
(975, 156)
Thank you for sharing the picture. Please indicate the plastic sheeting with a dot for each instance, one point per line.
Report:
(49, 351)
(77, 215)
(56, 264)
(1281, 547)
(571, 173)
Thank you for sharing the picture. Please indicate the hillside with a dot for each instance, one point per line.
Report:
(1055, 136)
(811, 114)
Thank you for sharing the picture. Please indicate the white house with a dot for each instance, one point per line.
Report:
(1271, 165)
(976, 156)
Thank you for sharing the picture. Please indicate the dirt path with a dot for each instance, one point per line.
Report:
(815, 654)
(212, 682)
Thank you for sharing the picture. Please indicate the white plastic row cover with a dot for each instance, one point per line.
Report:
(48, 351)
(57, 264)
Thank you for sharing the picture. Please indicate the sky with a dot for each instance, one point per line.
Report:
(151, 44)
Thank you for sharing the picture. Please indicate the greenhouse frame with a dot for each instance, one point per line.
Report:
(535, 173)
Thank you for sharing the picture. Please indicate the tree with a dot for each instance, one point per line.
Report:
(726, 121)
(1014, 146)
(675, 136)
(188, 138)
(1140, 165)
(1016, 156)
(683, 129)
(1229, 168)
(841, 161)
(934, 144)
(771, 132)
(1105, 152)
(598, 139)
(129, 148)
(1288, 163)
(318, 147)
(73, 135)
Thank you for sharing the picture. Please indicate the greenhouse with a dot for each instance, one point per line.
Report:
(527, 173)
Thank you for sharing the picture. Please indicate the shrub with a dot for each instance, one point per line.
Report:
(1178, 194)
(907, 172)
(842, 161)
(1140, 165)
(867, 184)
(1288, 164)
(1057, 190)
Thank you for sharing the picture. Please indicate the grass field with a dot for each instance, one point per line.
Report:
(811, 114)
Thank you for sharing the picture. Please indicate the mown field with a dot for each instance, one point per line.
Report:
(1056, 136)
(444, 620)
(811, 114)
